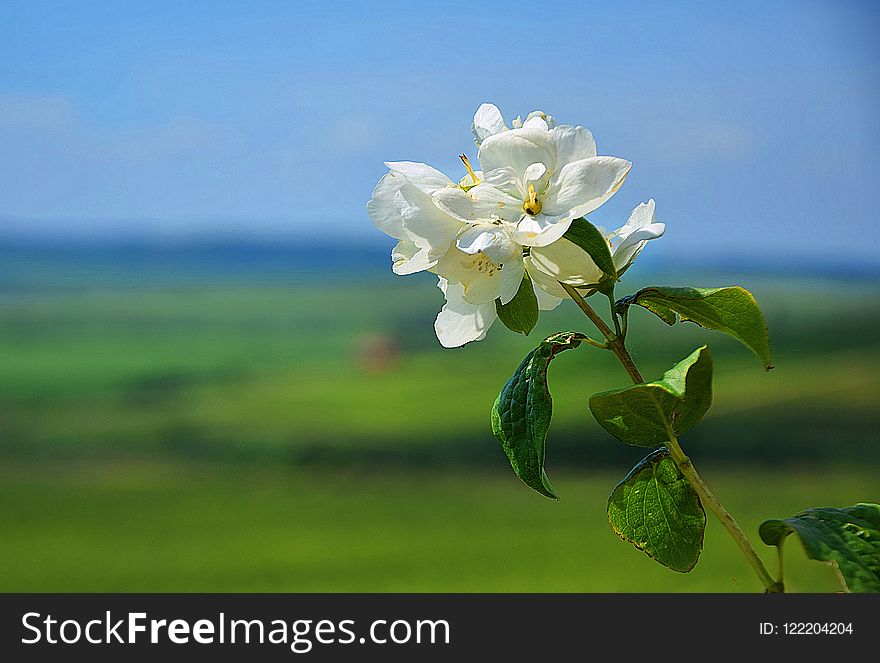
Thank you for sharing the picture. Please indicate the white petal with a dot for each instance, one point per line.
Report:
(546, 301)
(476, 238)
(536, 121)
(544, 281)
(518, 149)
(541, 229)
(482, 289)
(487, 121)
(491, 239)
(482, 203)
(382, 208)
(455, 267)
(457, 202)
(479, 286)
(634, 243)
(549, 120)
(460, 322)
(641, 216)
(534, 172)
(638, 229)
(572, 144)
(566, 261)
(582, 186)
(425, 223)
(409, 258)
(511, 278)
(421, 175)
(506, 179)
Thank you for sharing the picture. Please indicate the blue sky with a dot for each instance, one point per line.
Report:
(755, 126)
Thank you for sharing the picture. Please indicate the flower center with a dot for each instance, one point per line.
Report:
(532, 206)
(485, 264)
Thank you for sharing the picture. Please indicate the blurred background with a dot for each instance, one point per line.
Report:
(211, 381)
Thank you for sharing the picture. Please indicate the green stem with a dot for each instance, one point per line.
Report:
(781, 561)
(594, 317)
(690, 473)
(616, 344)
(610, 295)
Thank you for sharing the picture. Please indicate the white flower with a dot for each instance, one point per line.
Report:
(488, 121)
(567, 262)
(460, 322)
(402, 206)
(536, 179)
(487, 262)
(629, 240)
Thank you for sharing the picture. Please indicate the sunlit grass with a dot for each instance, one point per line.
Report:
(278, 367)
(100, 388)
(179, 527)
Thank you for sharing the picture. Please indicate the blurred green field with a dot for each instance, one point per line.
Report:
(285, 435)
(342, 374)
(197, 527)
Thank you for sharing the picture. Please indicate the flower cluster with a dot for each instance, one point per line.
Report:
(504, 225)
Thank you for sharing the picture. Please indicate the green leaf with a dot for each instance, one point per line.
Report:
(520, 314)
(731, 310)
(656, 510)
(849, 537)
(645, 415)
(522, 412)
(590, 239)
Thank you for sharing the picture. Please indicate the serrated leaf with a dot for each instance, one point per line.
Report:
(657, 510)
(645, 415)
(522, 412)
(849, 537)
(731, 310)
(590, 239)
(520, 314)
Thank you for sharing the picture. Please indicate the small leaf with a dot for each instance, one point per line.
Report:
(522, 412)
(732, 310)
(590, 239)
(849, 537)
(520, 314)
(645, 415)
(656, 510)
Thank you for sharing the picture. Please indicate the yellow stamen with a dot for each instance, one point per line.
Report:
(485, 264)
(532, 205)
(467, 164)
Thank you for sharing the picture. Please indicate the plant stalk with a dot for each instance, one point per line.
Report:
(594, 317)
(781, 562)
(615, 342)
(708, 498)
(617, 345)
